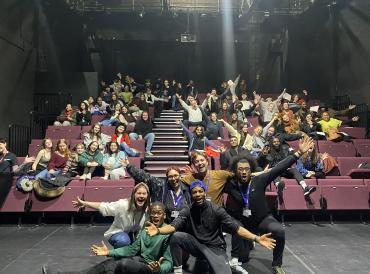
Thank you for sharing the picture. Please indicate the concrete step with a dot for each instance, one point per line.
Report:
(175, 117)
(166, 119)
(167, 125)
(166, 142)
(160, 157)
(175, 130)
(171, 133)
(169, 147)
(165, 163)
(158, 175)
(159, 137)
(169, 151)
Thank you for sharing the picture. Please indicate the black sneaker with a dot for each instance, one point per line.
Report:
(278, 270)
(308, 190)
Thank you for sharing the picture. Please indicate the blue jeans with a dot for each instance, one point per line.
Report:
(149, 138)
(129, 151)
(46, 175)
(120, 239)
(109, 122)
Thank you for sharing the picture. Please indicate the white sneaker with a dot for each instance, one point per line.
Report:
(88, 176)
(238, 269)
(148, 153)
(83, 177)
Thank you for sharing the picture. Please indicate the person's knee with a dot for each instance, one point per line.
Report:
(177, 238)
(279, 232)
(122, 267)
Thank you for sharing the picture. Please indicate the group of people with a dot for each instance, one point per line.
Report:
(164, 220)
(167, 218)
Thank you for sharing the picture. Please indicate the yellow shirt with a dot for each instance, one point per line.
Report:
(215, 180)
(332, 123)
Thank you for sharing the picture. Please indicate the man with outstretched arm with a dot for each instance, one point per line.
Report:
(247, 204)
(203, 237)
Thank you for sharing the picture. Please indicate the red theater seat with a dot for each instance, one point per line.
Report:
(15, 200)
(363, 149)
(344, 194)
(355, 132)
(293, 198)
(108, 191)
(69, 132)
(342, 149)
(96, 119)
(348, 166)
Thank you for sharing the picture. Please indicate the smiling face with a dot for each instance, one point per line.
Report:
(258, 131)
(233, 142)
(200, 163)
(121, 129)
(213, 117)
(62, 147)
(94, 146)
(199, 131)
(80, 149)
(198, 195)
(140, 196)
(113, 147)
(157, 215)
(173, 178)
(243, 172)
(326, 116)
(276, 142)
(145, 116)
(97, 128)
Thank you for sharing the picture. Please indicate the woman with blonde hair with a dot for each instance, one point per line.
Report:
(129, 215)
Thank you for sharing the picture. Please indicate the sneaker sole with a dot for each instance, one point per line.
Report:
(309, 192)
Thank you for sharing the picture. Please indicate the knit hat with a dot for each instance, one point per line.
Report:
(198, 183)
(141, 184)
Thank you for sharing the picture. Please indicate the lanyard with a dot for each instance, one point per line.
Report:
(176, 199)
(245, 196)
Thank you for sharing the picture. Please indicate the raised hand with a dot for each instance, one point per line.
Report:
(355, 119)
(222, 149)
(266, 241)
(78, 203)
(156, 265)
(187, 169)
(151, 229)
(351, 107)
(305, 145)
(100, 250)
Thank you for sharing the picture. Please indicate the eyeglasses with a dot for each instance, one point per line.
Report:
(244, 169)
(173, 176)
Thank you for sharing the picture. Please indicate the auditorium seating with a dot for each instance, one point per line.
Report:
(62, 203)
(355, 132)
(342, 149)
(348, 166)
(59, 132)
(15, 201)
(344, 194)
(292, 197)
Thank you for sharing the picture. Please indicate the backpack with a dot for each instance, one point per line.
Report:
(25, 183)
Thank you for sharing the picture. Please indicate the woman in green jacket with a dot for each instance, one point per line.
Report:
(90, 159)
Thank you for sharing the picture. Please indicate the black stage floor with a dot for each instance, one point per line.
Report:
(326, 249)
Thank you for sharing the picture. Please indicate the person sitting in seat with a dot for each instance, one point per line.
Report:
(90, 160)
(113, 168)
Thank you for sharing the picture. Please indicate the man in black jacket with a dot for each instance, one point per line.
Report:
(234, 150)
(246, 203)
(203, 237)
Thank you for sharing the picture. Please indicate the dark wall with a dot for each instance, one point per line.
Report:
(329, 51)
(17, 62)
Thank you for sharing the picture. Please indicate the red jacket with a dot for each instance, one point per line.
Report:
(124, 138)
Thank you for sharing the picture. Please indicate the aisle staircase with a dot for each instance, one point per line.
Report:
(169, 148)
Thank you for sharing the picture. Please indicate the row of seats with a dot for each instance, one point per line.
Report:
(36, 145)
(331, 194)
(359, 147)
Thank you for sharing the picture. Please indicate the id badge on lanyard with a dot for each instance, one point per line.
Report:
(245, 196)
(176, 202)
